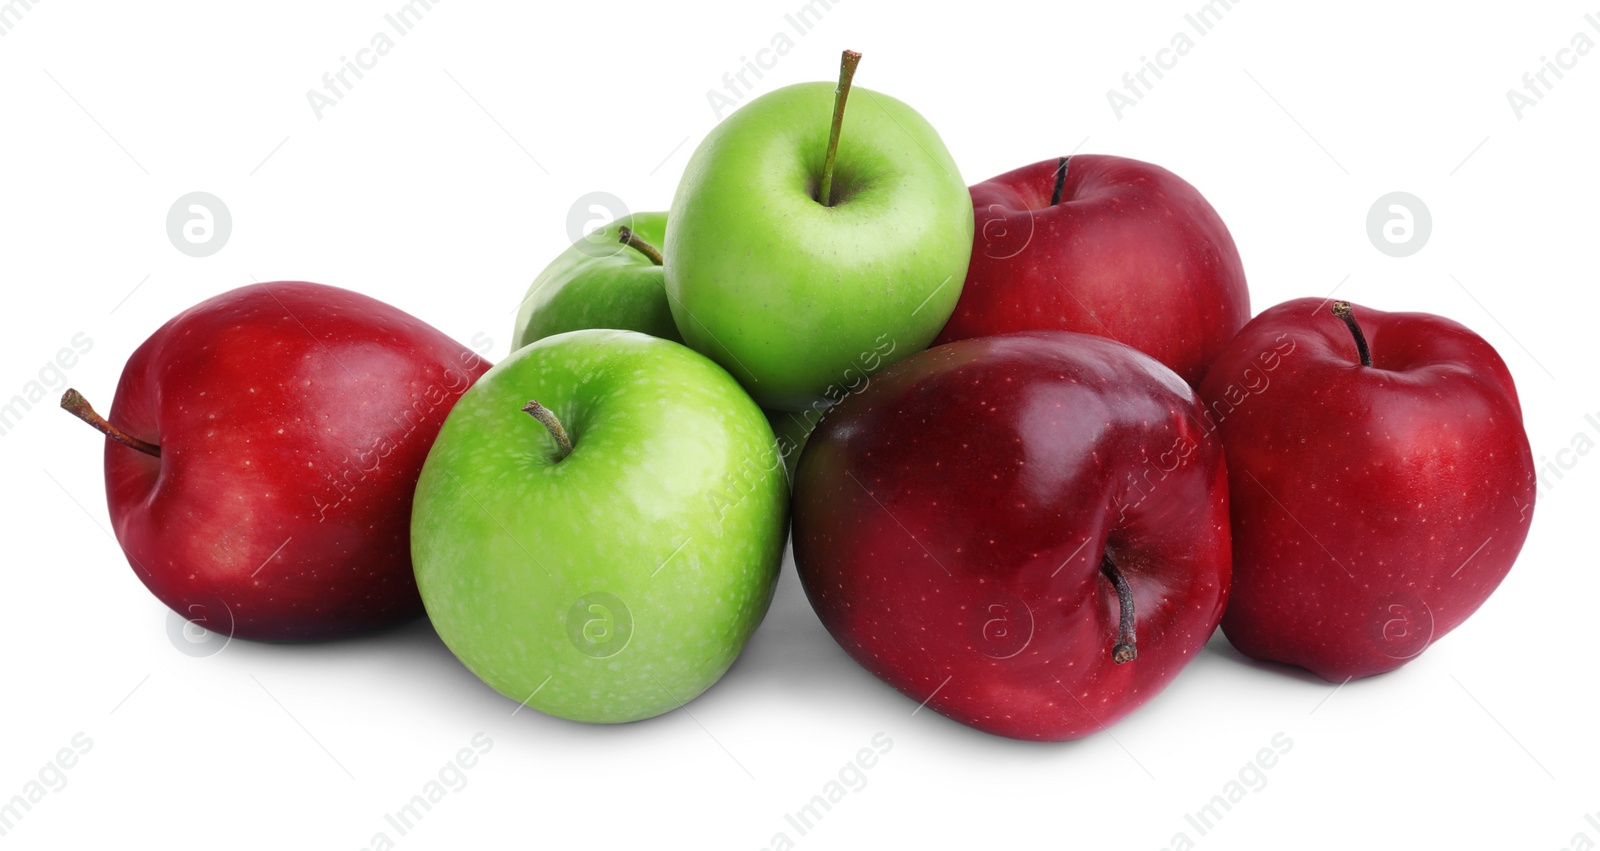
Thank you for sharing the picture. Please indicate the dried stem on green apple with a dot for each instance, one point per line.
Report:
(632, 240)
(73, 403)
(1124, 650)
(548, 419)
(847, 71)
(1342, 310)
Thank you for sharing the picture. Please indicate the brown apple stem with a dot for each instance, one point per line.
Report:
(73, 403)
(552, 425)
(632, 240)
(1342, 310)
(1061, 179)
(847, 71)
(1124, 650)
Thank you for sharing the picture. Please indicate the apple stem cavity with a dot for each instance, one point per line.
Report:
(73, 403)
(1061, 179)
(548, 419)
(1342, 310)
(632, 240)
(1124, 650)
(847, 72)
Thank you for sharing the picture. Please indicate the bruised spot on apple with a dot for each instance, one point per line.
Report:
(1103, 245)
(1381, 482)
(1028, 532)
(263, 448)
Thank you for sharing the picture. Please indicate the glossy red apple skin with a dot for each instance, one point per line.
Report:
(293, 420)
(1374, 508)
(950, 521)
(1131, 252)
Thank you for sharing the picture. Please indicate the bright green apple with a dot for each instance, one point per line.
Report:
(797, 298)
(618, 579)
(600, 282)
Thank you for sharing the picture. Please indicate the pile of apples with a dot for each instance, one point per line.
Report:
(1030, 527)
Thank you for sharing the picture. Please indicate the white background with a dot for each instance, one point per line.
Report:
(443, 181)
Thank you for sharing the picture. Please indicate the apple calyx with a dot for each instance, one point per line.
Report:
(629, 238)
(847, 72)
(73, 403)
(1342, 310)
(1061, 179)
(548, 419)
(1123, 650)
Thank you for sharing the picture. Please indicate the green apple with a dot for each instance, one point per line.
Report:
(601, 282)
(799, 292)
(607, 558)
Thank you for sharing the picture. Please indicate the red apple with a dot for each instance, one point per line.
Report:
(1027, 533)
(265, 447)
(1380, 492)
(1103, 245)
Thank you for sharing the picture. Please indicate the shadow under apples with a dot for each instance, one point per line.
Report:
(791, 656)
(791, 659)
(394, 659)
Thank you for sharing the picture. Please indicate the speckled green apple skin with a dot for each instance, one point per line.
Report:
(793, 297)
(600, 283)
(673, 501)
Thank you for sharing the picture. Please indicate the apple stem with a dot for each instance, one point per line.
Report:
(632, 240)
(73, 403)
(548, 419)
(1342, 310)
(847, 71)
(1124, 650)
(1061, 178)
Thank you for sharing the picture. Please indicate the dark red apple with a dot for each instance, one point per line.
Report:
(266, 445)
(1103, 245)
(1382, 483)
(1028, 532)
